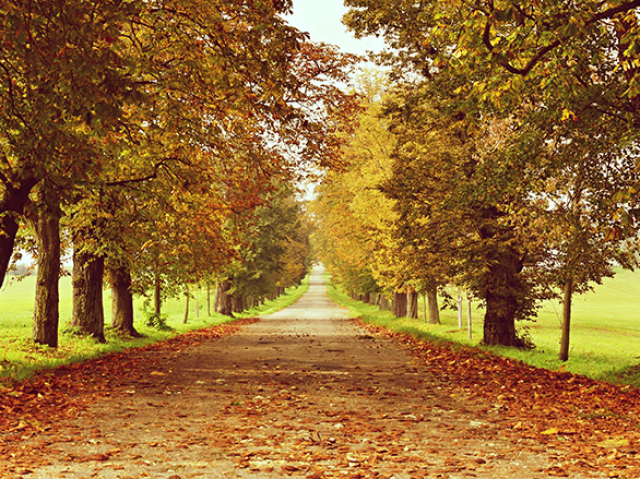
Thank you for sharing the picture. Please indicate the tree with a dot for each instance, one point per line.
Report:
(122, 300)
(46, 224)
(586, 235)
(62, 84)
(554, 72)
(453, 192)
(150, 81)
(141, 90)
(354, 218)
(273, 251)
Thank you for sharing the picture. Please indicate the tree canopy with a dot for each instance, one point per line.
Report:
(514, 171)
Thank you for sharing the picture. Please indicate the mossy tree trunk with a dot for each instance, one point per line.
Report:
(223, 303)
(122, 301)
(46, 312)
(88, 309)
(432, 305)
(399, 304)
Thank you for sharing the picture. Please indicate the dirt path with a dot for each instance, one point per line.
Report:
(301, 393)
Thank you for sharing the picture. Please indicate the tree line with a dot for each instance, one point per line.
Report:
(161, 142)
(504, 144)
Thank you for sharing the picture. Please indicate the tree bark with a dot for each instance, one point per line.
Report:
(46, 313)
(412, 304)
(469, 325)
(157, 294)
(503, 292)
(432, 305)
(237, 302)
(399, 305)
(122, 301)
(88, 312)
(77, 282)
(383, 302)
(187, 295)
(566, 321)
(223, 302)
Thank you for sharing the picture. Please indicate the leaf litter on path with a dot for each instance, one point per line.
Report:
(336, 398)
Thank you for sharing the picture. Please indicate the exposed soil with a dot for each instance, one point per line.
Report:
(303, 393)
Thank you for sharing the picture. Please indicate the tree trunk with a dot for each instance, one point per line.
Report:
(566, 320)
(399, 305)
(46, 313)
(469, 325)
(503, 290)
(12, 205)
(238, 304)
(89, 317)
(186, 307)
(383, 302)
(122, 301)
(432, 303)
(412, 304)
(77, 282)
(157, 294)
(223, 302)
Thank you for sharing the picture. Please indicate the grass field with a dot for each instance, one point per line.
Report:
(20, 357)
(605, 331)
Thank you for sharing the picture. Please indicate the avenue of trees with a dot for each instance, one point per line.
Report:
(504, 149)
(160, 140)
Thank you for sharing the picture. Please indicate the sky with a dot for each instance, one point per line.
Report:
(322, 19)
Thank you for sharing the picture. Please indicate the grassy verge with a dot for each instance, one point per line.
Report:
(20, 357)
(605, 336)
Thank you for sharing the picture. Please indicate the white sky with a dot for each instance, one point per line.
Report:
(322, 19)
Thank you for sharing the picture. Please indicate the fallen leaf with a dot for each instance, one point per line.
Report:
(613, 443)
(557, 471)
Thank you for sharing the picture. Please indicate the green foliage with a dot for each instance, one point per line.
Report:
(157, 122)
(292, 294)
(153, 319)
(352, 216)
(273, 246)
(516, 160)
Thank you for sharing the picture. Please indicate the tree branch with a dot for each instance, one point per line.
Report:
(608, 13)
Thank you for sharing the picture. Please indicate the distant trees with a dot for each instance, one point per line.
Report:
(354, 217)
(273, 253)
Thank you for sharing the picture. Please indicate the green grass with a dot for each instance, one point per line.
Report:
(605, 331)
(20, 357)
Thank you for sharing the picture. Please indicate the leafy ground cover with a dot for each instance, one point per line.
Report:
(306, 394)
(20, 357)
(605, 335)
